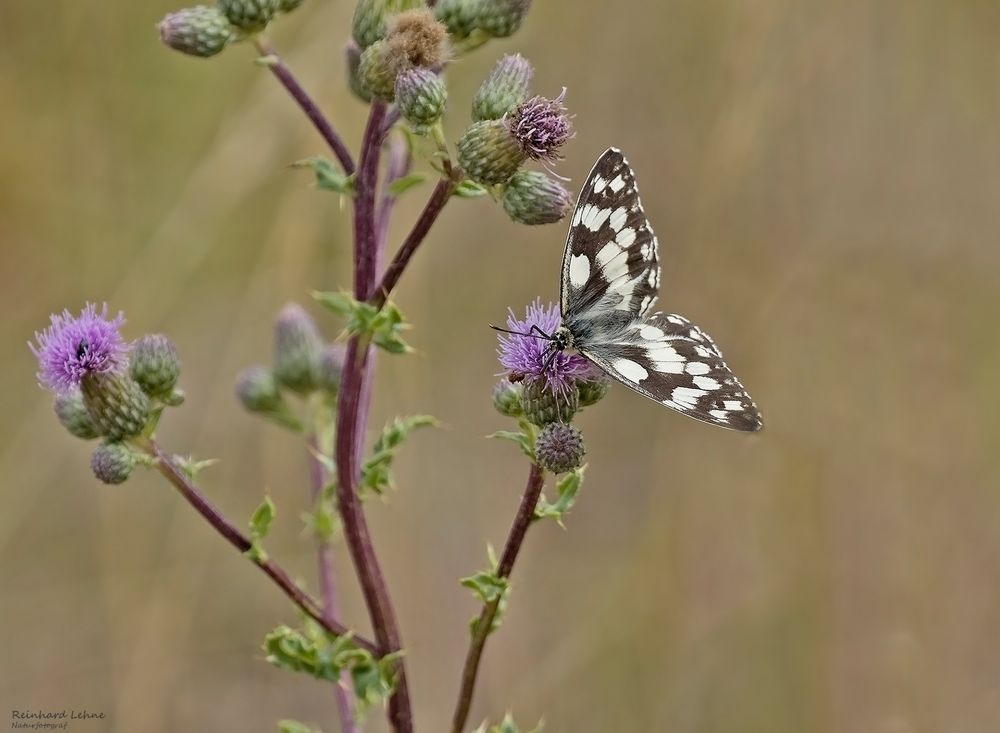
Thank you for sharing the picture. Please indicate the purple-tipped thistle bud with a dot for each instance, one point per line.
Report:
(155, 365)
(73, 415)
(541, 126)
(533, 197)
(198, 31)
(287, 6)
(421, 97)
(543, 406)
(371, 18)
(504, 89)
(592, 391)
(488, 153)
(331, 367)
(458, 16)
(112, 463)
(501, 18)
(251, 16)
(297, 347)
(559, 448)
(353, 55)
(116, 403)
(507, 398)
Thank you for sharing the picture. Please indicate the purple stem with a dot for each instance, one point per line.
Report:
(313, 112)
(364, 202)
(166, 465)
(328, 585)
(484, 624)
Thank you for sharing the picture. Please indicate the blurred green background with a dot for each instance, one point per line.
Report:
(824, 180)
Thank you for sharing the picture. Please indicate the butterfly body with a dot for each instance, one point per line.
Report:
(610, 279)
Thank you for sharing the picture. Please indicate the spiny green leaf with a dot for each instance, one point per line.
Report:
(404, 184)
(523, 440)
(191, 467)
(469, 190)
(376, 474)
(487, 586)
(322, 522)
(383, 325)
(566, 491)
(261, 519)
(328, 176)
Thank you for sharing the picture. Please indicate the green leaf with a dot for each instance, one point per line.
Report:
(260, 525)
(523, 440)
(469, 190)
(322, 522)
(384, 326)
(191, 467)
(566, 490)
(374, 680)
(328, 176)
(404, 184)
(294, 726)
(376, 474)
(487, 586)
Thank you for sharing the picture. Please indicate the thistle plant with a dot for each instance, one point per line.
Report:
(115, 392)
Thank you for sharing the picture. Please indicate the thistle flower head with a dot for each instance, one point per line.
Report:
(528, 355)
(560, 448)
(541, 126)
(199, 31)
(417, 38)
(74, 346)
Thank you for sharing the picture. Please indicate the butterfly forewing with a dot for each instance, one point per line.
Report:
(611, 262)
(610, 277)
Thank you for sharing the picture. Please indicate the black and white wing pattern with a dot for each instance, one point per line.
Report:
(610, 278)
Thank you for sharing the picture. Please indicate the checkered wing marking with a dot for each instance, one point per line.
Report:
(610, 264)
(667, 359)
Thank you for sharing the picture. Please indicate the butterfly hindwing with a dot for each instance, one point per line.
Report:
(610, 262)
(665, 358)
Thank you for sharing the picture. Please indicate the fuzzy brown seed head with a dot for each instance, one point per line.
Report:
(417, 38)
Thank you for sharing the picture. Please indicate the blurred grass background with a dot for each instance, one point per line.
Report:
(824, 180)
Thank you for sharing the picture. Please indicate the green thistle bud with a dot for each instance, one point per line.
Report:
(116, 403)
(489, 153)
(376, 72)
(543, 406)
(199, 31)
(507, 398)
(287, 6)
(297, 347)
(371, 16)
(533, 197)
(251, 16)
(458, 16)
(353, 55)
(258, 391)
(155, 366)
(421, 96)
(501, 18)
(331, 367)
(505, 88)
(592, 391)
(73, 415)
(560, 448)
(112, 463)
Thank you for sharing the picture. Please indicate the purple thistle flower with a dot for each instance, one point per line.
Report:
(541, 126)
(527, 355)
(74, 346)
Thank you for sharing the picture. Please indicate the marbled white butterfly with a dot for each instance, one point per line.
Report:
(610, 276)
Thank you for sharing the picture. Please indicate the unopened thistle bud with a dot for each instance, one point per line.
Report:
(489, 153)
(297, 347)
(116, 403)
(112, 463)
(507, 398)
(458, 16)
(501, 18)
(559, 448)
(73, 415)
(198, 31)
(543, 405)
(505, 88)
(154, 365)
(421, 96)
(353, 55)
(376, 72)
(371, 16)
(533, 197)
(331, 367)
(251, 16)
(541, 126)
(287, 6)
(592, 391)
(257, 390)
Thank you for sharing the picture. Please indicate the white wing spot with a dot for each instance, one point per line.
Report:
(579, 270)
(719, 415)
(702, 352)
(652, 278)
(625, 238)
(645, 304)
(599, 184)
(607, 253)
(594, 218)
(617, 184)
(698, 367)
(650, 332)
(706, 383)
(629, 369)
(732, 405)
(676, 320)
(687, 396)
(618, 218)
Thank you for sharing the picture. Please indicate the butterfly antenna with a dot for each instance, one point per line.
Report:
(539, 335)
